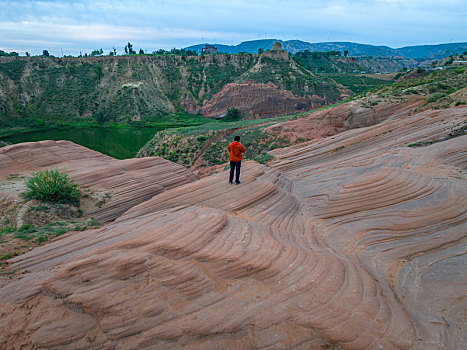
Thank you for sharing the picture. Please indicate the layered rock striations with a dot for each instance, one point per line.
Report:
(399, 211)
(257, 100)
(346, 116)
(351, 242)
(126, 182)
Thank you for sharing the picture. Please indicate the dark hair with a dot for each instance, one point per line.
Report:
(237, 138)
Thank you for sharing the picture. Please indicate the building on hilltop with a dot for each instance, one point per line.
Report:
(209, 49)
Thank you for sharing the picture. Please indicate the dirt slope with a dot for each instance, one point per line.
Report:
(355, 241)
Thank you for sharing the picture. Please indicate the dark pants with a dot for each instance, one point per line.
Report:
(235, 166)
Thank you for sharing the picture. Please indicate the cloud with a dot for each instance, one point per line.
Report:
(87, 24)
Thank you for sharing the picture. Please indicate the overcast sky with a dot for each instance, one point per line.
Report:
(84, 25)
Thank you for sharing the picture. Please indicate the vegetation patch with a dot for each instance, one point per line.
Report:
(338, 148)
(359, 83)
(437, 87)
(13, 69)
(37, 235)
(457, 131)
(52, 185)
(264, 158)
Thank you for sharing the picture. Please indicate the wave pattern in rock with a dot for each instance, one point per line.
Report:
(346, 116)
(353, 242)
(399, 211)
(129, 181)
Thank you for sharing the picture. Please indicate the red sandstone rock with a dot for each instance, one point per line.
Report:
(129, 181)
(265, 100)
(347, 116)
(355, 241)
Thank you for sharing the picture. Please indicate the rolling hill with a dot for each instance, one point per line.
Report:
(410, 52)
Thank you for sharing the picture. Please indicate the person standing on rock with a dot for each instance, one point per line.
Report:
(236, 149)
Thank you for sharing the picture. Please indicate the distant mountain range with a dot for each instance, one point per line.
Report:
(293, 46)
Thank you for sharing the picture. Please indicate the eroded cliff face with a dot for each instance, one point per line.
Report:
(355, 241)
(283, 89)
(257, 100)
(145, 87)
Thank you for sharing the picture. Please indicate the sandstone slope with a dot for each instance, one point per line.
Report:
(350, 115)
(352, 242)
(128, 182)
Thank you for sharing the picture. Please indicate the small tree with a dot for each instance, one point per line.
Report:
(260, 51)
(449, 61)
(141, 52)
(346, 52)
(100, 118)
(97, 52)
(45, 53)
(232, 112)
(129, 49)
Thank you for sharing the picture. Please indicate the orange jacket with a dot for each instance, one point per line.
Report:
(236, 149)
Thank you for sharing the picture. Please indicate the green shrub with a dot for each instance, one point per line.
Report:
(24, 227)
(338, 148)
(264, 158)
(232, 113)
(435, 97)
(51, 185)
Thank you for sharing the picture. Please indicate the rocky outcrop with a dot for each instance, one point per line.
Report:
(346, 116)
(257, 100)
(275, 53)
(127, 182)
(351, 242)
